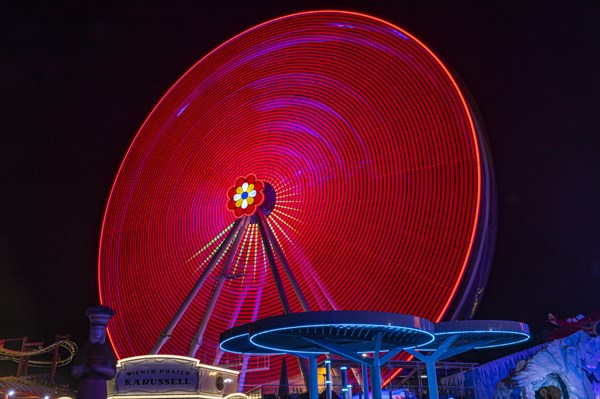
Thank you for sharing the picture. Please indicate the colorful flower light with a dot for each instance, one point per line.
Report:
(245, 196)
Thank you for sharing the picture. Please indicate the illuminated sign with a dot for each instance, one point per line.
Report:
(160, 376)
(157, 375)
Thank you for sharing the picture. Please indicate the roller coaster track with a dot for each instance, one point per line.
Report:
(15, 355)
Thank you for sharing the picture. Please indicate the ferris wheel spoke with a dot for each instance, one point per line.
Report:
(273, 265)
(197, 340)
(166, 333)
(284, 263)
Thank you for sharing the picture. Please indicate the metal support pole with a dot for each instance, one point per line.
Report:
(365, 378)
(344, 372)
(283, 261)
(197, 340)
(268, 240)
(55, 356)
(376, 380)
(22, 369)
(24, 359)
(376, 368)
(304, 370)
(328, 381)
(432, 378)
(273, 266)
(166, 333)
(54, 362)
(280, 290)
(313, 390)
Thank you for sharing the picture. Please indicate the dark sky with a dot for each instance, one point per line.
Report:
(78, 81)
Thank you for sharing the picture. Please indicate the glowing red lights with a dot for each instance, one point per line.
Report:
(245, 196)
(372, 173)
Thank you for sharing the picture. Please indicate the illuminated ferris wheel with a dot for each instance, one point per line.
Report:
(320, 161)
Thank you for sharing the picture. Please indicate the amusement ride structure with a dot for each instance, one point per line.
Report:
(35, 349)
(35, 354)
(353, 335)
(317, 162)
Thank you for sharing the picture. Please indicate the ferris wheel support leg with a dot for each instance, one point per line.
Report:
(273, 265)
(284, 263)
(304, 369)
(197, 340)
(166, 333)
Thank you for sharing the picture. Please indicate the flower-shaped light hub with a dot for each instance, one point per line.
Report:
(245, 196)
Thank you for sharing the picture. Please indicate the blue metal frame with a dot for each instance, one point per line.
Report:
(310, 334)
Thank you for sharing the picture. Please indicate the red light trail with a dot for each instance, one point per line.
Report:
(372, 156)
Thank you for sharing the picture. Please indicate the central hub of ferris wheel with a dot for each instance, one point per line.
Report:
(248, 194)
(245, 196)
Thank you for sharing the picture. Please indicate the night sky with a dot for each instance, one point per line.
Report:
(79, 80)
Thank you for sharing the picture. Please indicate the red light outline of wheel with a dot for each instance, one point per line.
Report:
(349, 16)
